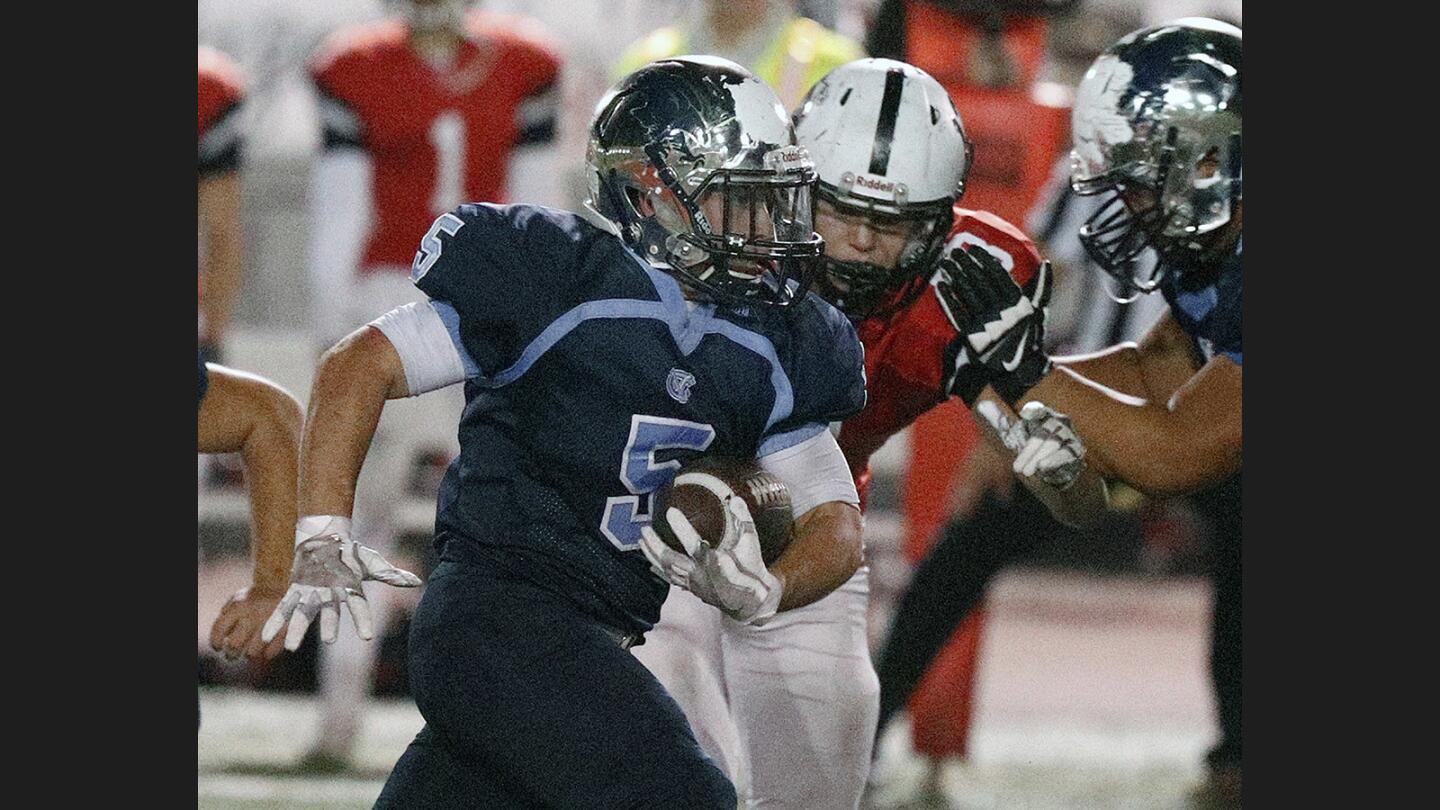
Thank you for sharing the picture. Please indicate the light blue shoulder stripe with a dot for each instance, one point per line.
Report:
(687, 328)
(761, 345)
(790, 438)
(451, 319)
(563, 325)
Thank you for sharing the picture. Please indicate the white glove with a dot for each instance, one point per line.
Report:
(1053, 450)
(328, 568)
(731, 576)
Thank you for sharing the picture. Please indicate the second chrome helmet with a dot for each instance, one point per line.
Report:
(1157, 124)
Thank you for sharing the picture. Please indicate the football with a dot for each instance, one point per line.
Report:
(700, 488)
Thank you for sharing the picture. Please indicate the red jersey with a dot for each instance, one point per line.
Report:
(910, 355)
(436, 138)
(221, 90)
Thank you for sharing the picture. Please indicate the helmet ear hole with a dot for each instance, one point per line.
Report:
(639, 202)
(1208, 164)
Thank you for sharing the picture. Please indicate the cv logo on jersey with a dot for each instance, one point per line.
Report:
(678, 384)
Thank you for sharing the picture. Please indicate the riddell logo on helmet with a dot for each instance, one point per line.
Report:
(874, 184)
(787, 158)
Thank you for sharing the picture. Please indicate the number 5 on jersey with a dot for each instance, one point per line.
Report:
(641, 475)
(430, 246)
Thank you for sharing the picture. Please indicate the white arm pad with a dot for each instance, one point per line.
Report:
(431, 354)
(815, 471)
(340, 218)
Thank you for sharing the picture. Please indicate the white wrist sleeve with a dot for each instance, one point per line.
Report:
(314, 525)
(429, 350)
(815, 471)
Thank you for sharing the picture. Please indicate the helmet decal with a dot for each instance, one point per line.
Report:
(1096, 123)
(885, 125)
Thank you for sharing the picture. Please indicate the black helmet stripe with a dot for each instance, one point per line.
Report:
(885, 128)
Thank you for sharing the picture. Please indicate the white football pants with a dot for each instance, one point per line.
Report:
(788, 710)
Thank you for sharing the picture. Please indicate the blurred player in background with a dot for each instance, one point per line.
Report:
(419, 113)
(787, 51)
(221, 92)
(591, 375)
(589, 33)
(790, 707)
(246, 414)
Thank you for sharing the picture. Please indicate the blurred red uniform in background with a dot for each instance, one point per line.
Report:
(437, 138)
(419, 114)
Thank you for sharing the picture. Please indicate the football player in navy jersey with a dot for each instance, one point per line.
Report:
(1157, 127)
(598, 355)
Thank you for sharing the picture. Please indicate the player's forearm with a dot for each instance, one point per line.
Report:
(1117, 367)
(1155, 449)
(351, 385)
(270, 453)
(1153, 370)
(247, 414)
(827, 551)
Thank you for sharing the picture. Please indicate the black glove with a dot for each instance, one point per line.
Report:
(1001, 326)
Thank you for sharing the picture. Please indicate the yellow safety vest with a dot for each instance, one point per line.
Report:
(802, 53)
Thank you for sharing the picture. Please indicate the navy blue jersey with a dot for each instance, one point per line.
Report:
(591, 379)
(1210, 313)
(204, 380)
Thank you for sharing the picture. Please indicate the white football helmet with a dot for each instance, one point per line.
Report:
(887, 142)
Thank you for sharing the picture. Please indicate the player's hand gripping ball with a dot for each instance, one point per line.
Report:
(716, 528)
(700, 489)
